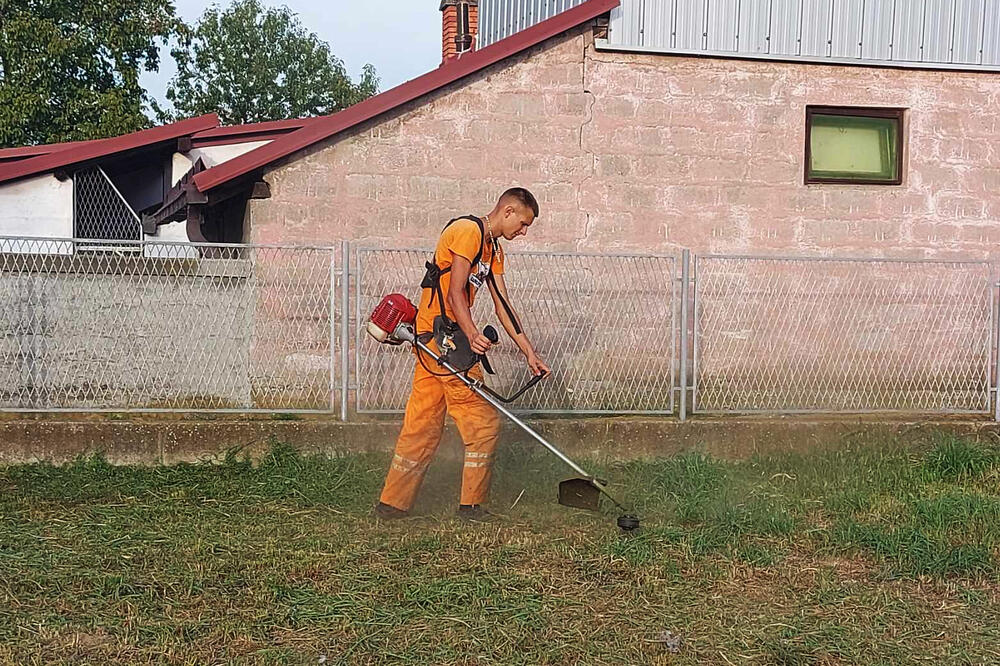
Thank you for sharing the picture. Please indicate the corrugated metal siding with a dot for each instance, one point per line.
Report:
(786, 23)
(845, 35)
(502, 18)
(657, 24)
(626, 23)
(991, 35)
(815, 27)
(939, 17)
(876, 36)
(722, 30)
(896, 32)
(755, 26)
(908, 30)
(967, 36)
(689, 24)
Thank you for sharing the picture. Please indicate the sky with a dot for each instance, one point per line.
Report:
(401, 38)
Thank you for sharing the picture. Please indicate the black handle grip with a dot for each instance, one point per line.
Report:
(534, 380)
(493, 337)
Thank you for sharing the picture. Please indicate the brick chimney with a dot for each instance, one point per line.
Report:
(459, 26)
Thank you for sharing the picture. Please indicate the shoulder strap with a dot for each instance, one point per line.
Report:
(482, 236)
(432, 278)
(503, 302)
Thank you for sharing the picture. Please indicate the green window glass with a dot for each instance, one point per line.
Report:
(853, 145)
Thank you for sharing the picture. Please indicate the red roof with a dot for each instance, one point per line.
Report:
(265, 131)
(449, 72)
(289, 136)
(89, 150)
(214, 136)
(255, 128)
(24, 152)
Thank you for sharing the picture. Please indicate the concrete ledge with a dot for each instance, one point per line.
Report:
(171, 439)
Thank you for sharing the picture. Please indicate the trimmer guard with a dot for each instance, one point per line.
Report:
(580, 494)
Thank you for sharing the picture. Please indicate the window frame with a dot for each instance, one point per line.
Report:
(892, 113)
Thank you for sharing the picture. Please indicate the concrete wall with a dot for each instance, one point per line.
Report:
(654, 153)
(40, 206)
(79, 334)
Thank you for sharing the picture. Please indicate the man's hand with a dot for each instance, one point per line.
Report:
(481, 344)
(537, 365)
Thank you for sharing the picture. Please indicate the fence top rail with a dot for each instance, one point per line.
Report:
(133, 243)
(533, 253)
(846, 259)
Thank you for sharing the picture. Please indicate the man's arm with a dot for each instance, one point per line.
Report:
(458, 301)
(498, 288)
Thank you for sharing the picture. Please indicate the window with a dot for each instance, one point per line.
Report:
(854, 145)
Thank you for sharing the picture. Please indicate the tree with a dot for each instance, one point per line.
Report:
(251, 65)
(69, 69)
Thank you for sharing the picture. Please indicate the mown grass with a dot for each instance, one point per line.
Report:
(875, 555)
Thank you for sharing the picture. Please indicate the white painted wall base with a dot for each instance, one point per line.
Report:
(41, 206)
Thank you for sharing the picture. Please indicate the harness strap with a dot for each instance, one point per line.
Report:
(503, 302)
(432, 278)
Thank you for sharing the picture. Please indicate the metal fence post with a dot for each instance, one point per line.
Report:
(331, 296)
(995, 302)
(685, 280)
(345, 326)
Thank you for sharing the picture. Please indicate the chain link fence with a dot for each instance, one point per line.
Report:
(831, 335)
(173, 326)
(605, 324)
(144, 325)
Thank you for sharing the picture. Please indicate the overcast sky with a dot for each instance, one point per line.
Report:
(401, 38)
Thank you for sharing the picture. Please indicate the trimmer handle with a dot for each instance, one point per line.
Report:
(534, 380)
(491, 335)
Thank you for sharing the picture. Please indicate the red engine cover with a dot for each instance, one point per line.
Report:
(392, 311)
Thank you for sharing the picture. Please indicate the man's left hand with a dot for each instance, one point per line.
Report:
(537, 365)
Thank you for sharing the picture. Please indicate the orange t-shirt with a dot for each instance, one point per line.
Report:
(462, 237)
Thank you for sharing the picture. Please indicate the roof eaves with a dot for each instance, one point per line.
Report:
(90, 150)
(255, 128)
(449, 72)
(23, 152)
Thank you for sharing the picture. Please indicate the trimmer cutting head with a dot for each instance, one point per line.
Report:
(583, 494)
(627, 522)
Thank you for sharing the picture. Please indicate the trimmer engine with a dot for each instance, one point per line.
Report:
(393, 320)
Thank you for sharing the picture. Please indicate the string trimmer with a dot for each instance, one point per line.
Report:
(393, 323)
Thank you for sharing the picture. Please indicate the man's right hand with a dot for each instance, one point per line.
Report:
(481, 344)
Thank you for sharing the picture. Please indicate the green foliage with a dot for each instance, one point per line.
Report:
(860, 555)
(954, 459)
(70, 70)
(251, 64)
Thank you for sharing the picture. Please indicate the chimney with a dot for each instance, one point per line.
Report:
(459, 26)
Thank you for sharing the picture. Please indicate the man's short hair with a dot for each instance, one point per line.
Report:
(523, 197)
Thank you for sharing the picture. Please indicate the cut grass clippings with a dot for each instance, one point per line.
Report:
(881, 555)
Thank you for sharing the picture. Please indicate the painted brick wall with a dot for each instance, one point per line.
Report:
(645, 152)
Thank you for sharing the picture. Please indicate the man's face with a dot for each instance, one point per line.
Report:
(515, 221)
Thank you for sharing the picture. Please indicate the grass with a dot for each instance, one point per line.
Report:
(861, 555)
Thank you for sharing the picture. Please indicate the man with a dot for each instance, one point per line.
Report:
(468, 255)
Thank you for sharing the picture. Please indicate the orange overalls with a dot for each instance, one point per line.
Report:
(432, 396)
